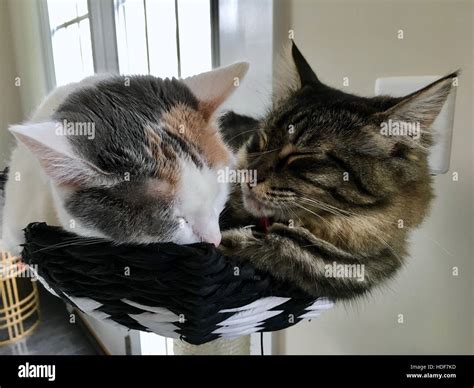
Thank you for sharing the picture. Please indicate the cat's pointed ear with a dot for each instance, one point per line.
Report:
(212, 88)
(292, 72)
(51, 147)
(409, 121)
(424, 105)
(305, 72)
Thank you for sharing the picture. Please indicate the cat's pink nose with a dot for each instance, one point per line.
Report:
(216, 240)
(209, 232)
(212, 238)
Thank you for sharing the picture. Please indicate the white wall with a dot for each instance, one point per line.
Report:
(358, 39)
(10, 107)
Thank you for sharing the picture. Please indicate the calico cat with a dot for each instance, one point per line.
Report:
(340, 195)
(129, 159)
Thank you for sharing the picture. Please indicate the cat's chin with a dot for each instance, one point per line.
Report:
(257, 208)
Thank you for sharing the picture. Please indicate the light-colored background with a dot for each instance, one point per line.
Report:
(21, 55)
(354, 39)
(358, 39)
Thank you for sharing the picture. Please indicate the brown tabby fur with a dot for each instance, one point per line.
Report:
(337, 189)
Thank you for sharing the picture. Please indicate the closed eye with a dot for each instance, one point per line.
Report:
(288, 159)
(258, 143)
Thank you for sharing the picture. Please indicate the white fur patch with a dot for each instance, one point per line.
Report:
(28, 196)
(201, 198)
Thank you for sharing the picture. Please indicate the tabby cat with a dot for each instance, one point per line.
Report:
(337, 196)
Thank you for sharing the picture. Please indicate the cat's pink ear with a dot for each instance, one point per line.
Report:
(214, 87)
(50, 145)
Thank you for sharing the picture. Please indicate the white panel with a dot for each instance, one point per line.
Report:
(152, 344)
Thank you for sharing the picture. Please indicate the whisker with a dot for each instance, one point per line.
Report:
(262, 152)
(241, 133)
(73, 241)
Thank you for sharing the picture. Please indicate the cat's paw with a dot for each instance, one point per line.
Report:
(234, 237)
(282, 229)
(234, 240)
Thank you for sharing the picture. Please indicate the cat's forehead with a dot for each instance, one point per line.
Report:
(308, 118)
(139, 125)
(303, 127)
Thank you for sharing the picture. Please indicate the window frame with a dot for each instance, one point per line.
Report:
(103, 33)
(103, 36)
(47, 44)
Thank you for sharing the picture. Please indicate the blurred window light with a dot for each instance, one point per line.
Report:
(165, 38)
(71, 40)
(194, 36)
(131, 36)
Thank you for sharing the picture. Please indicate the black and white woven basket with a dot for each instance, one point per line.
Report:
(190, 292)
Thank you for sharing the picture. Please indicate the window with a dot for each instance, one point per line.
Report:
(163, 37)
(166, 38)
(70, 39)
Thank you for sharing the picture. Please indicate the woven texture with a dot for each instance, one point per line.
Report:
(190, 292)
(3, 179)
